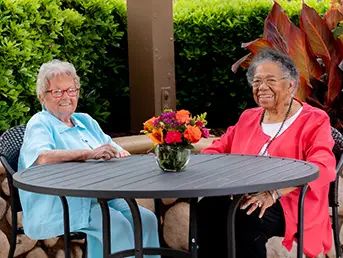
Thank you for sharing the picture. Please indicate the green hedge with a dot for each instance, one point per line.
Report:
(89, 33)
(208, 36)
(92, 35)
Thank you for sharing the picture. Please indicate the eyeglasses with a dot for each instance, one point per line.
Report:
(271, 82)
(57, 93)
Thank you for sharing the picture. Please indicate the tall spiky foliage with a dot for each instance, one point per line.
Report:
(317, 50)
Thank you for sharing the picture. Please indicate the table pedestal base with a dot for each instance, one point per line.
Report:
(139, 251)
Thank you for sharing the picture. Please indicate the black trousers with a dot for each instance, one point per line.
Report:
(252, 233)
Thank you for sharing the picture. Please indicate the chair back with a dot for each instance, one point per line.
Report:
(338, 147)
(338, 152)
(10, 144)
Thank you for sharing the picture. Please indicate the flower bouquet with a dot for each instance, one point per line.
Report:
(173, 134)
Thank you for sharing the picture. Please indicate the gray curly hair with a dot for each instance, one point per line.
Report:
(53, 69)
(285, 63)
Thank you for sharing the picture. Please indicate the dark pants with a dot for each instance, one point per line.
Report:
(252, 233)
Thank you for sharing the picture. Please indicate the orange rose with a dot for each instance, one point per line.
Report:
(182, 116)
(192, 134)
(156, 136)
(149, 124)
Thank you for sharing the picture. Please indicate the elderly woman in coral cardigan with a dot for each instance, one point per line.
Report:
(285, 127)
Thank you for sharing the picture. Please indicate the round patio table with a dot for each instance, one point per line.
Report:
(138, 176)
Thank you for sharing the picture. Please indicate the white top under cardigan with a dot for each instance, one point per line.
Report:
(272, 129)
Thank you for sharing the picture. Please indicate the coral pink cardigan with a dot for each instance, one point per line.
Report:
(308, 138)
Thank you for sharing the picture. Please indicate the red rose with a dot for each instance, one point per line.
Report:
(199, 123)
(173, 137)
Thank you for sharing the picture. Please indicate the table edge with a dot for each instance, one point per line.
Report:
(189, 193)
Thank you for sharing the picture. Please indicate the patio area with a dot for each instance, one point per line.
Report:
(174, 55)
(175, 218)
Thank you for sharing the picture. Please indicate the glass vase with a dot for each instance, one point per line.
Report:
(172, 158)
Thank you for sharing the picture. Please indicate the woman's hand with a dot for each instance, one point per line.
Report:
(261, 200)
(106, 152)
(122, 154)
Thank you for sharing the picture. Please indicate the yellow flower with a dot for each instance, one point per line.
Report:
(156, 136)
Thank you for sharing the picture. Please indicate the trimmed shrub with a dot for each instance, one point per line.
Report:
(92, 35)
(89, 33)
(24, 45)
(95, 41)
(208, 36)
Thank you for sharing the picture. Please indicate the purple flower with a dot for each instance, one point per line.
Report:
(175, 124)
(168, 120)
(166, 115)
(205, 132)
(156, 122)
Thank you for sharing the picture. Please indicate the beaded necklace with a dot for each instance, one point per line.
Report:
(283, 122)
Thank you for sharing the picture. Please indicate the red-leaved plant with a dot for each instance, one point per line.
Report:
(315, 47)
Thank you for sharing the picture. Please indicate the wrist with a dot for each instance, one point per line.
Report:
(278, 193)
(273, 196)
(86, 154)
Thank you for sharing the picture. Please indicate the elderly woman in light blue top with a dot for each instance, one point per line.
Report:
(57, 134)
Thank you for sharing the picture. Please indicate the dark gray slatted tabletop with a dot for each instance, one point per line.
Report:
(138, 176)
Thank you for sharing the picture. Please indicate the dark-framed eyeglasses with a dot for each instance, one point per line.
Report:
(271, 82)
(57, 93)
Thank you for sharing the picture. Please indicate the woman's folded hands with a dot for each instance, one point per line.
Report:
(106, 152)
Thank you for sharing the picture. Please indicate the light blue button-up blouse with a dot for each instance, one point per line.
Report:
(43, 214)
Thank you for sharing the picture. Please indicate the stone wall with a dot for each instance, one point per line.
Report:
(174, 218)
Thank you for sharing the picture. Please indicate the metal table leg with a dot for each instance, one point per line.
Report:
(138, 251)
(231, 225)
(157, 204)
(67, 249)
(106, 228)
(301, 220)
(137, 224)
(193, 239)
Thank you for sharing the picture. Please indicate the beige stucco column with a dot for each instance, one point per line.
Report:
(151, 59)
